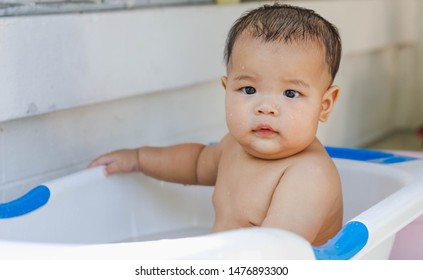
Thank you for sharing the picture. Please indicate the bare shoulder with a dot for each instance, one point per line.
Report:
(316, 167)
(208, 162)
(313, 176)
(308, 197)
(227, 141)
(214, 150)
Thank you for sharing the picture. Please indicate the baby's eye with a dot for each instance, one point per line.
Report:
(290, 93)
(248, 90)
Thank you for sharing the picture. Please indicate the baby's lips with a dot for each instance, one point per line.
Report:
(263, 127)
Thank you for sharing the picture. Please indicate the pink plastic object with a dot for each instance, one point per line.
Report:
(409, 241)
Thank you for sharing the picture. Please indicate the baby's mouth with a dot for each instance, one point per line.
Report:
(264, 130)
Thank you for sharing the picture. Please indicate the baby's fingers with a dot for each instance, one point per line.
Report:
(121, 161)
(113, 168)
(102, 160)
(117, 167)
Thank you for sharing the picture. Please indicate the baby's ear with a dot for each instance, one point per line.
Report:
(224, 81)
(328, 101)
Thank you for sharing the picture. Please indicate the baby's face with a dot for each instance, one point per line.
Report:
(276, 94)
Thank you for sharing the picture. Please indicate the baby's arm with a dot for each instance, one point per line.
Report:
(193, 164)
(183, 163)
(306, 197)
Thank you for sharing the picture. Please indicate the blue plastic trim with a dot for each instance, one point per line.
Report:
(29, 202)
(366, 155)
(346, 244)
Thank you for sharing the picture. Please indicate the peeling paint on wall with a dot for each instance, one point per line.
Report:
(32, 109)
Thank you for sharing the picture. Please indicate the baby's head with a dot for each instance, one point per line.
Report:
(281, 62)
(288, 24)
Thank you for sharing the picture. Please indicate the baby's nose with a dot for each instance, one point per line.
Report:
(267, 109)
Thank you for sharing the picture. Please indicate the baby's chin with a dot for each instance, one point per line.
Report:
(267, 154)
(270, 151)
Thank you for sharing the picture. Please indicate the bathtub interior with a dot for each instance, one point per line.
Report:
(366, 184)
(89, 208)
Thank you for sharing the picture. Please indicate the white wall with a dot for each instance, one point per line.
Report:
(418, 104)
(74, 86)
(65, 61)
(378, 71)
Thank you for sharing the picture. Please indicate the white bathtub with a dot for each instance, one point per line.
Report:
(88, 215)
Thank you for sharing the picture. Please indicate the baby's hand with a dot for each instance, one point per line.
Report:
(120, 161)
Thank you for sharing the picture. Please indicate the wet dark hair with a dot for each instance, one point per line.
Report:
(280, 22)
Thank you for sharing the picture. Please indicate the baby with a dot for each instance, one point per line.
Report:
(270, 170)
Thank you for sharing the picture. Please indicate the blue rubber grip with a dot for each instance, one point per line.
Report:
(366, 155)
(29, 202)
(346, 244)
